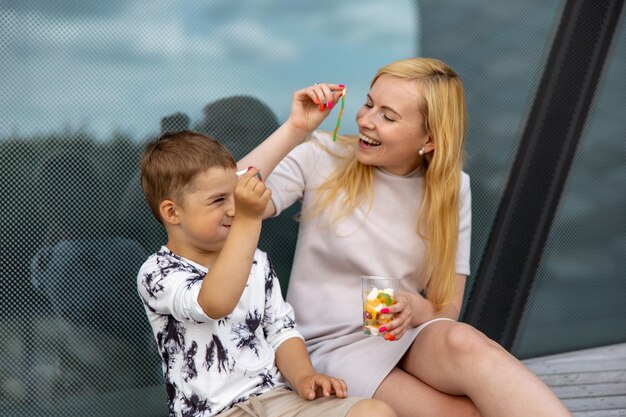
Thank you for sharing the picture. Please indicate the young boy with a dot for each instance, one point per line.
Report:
(226, 336)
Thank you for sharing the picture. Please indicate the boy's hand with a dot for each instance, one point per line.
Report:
(251, 195)
(314, 386)
(311, 105)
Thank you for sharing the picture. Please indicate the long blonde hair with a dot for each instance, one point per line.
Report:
(444, 112)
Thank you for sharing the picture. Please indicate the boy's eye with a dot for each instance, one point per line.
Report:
(218, 200)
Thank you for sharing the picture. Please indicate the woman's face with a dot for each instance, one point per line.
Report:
(391, 126)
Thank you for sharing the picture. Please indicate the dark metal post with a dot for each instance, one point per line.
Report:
(541, 167)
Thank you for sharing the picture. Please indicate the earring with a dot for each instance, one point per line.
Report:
(421, 152)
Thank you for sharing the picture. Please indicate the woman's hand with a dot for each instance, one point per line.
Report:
(311, 105)
(414, 309)
(403, 312)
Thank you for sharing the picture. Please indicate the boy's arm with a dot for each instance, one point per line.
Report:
(224, 283)
(293, 361)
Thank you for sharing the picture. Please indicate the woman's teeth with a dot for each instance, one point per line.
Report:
(369, 141)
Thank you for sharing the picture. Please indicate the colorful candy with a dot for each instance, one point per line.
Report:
(374, 320)
(340, 115)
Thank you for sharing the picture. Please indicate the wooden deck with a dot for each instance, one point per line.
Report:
(591, 382)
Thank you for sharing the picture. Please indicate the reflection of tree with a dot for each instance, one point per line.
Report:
(175, 123)
(239, 122)
(136, 220)
(66, 188)
(69, 197)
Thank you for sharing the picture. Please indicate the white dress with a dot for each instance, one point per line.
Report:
(325, 286)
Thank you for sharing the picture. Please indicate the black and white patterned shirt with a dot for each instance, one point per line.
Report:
(210, 365)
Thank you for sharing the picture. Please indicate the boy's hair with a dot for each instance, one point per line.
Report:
(170, 163)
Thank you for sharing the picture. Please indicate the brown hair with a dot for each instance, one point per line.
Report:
(171, 162)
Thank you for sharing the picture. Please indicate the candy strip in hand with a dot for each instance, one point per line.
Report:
(343, 95)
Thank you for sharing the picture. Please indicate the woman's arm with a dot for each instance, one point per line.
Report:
(309, 107)
(424, 310)
(413, 310)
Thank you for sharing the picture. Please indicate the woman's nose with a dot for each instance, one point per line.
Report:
(365, 119)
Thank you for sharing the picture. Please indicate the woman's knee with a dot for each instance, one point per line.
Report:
(371, 408)
(462, 340)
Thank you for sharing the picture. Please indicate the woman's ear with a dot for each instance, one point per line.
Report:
(429, 145)
(169, 211)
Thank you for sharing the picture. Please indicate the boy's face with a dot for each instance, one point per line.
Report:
(207, 210)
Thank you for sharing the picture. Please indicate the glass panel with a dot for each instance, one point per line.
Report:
(84, 85)
(499, 48)
(579, 295)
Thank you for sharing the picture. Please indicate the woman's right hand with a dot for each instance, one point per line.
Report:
(311, 105)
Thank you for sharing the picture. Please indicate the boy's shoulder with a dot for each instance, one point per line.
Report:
(165, 259)
(164, 262)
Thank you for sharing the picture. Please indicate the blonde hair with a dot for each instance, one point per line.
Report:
(445, 119)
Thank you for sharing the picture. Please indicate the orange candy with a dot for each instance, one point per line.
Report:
(389, 337)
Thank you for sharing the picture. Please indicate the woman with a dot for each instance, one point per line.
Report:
(393, 202)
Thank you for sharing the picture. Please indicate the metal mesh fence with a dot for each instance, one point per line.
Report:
(83, 86)
(72, 324)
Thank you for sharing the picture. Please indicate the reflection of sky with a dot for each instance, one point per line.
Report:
(102, 66)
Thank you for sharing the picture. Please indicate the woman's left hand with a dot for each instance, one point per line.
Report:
(403, 311)
(311, 105)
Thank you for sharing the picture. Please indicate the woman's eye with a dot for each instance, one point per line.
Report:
(368, 105)
(219, 200)
(389, 119)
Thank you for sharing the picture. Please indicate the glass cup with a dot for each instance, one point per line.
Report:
(378, 293)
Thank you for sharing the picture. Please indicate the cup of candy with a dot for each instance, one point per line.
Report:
(378, 293)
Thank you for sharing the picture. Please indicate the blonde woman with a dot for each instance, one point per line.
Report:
(392, 201)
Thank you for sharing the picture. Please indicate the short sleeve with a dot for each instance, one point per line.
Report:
(289, 178)
(279, 320)
(171, 289)
(465, 227)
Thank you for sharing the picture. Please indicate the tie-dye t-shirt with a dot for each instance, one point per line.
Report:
(210, 365)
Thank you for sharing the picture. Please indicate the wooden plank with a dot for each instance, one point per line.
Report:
(606, 358)
(578, 366)
(590, 390)
(590, 382)
(600, 413)
(596, 403)
(617, 351)
(579, 378)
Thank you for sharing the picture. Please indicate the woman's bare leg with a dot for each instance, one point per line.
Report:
(410, 397)
(457, 359)
(371, 408)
